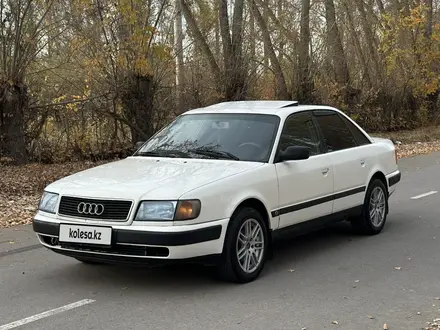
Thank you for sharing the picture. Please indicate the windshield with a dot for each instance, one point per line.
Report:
(246, 137)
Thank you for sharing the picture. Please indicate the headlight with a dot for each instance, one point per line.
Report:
(168, 210)
(48, 202)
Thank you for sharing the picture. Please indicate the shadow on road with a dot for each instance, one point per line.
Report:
(288, 251)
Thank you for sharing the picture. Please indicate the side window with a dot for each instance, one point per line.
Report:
(337, 136)
(299, 130)
(361, 139)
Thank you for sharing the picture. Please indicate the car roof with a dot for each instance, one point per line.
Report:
(279, 108)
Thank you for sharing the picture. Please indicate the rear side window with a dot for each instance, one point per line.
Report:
(361, 139)
(337, 136)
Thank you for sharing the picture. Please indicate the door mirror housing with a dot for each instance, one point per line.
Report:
(139, 144)
(294, 153)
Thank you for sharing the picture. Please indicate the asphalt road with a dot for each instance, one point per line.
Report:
(314, 280)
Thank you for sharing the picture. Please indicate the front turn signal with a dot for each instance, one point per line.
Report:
(187, 210)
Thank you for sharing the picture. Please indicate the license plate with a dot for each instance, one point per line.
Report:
(85, 234)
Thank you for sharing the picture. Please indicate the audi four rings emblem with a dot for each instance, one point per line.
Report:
(90, 208)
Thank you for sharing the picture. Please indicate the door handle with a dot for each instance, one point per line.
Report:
(362, 162)
(324, 171)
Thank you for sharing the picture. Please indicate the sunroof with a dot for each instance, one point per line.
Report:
(293, 104)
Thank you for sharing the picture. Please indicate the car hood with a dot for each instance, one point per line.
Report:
(148, 177)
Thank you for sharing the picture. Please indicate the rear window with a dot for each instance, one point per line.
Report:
(337, 136)
(361, 139)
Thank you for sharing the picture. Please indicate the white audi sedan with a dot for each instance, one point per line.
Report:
(218, 184)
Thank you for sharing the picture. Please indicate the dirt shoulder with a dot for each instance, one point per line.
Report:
(416, 142)
(21, 186)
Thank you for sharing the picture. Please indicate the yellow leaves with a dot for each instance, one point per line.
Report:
(87, 91)
(150, 29)
(142, 66)
(82, 6)
(409, 55)
(162, 51)
(130, 11)
(60, 99)
(118, 37)
(121, 60)
(355, 117)
(72, 107)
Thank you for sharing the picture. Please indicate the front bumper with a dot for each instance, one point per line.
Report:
(140, 244)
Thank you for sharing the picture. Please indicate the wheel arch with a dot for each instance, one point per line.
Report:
(258, 205)
(378, 174)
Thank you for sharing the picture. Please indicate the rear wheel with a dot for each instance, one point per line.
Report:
(374, 211)
(245, 248)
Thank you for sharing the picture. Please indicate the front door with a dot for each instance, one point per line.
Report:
(305, 186)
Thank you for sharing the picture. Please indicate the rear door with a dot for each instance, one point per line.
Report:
(347, 154)
(304, 185)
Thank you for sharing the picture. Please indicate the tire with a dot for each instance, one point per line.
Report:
(367, 223)
(229, 268)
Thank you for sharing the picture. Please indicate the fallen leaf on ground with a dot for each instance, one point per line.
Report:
(385, 327)
(435, 324)
(21, 188)
(371, 317)
(418, 148)
(335, 322)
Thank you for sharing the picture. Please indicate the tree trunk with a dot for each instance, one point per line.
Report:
(234, 72)
(370, 41)
(431, 98)
(335, 45)
(265, 49)
(305, 87)
(357, 45)
(226, 37)
(428, 26)
(137, 99)
(178, 46)
(292, 35)
(252, 37)
(201, 43)
(13, 104)
(282, 92)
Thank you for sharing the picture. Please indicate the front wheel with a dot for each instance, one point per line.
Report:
(245, 248)
(374, 210)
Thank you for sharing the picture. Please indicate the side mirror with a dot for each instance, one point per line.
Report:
(294, 153)
(139, 144)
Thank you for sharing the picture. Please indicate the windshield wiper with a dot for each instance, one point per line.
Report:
(163, 153)
(148, 153)
(214, 153)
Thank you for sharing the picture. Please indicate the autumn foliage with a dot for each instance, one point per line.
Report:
(87, 79)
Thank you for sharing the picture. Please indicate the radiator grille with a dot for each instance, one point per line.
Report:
(113, 209)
